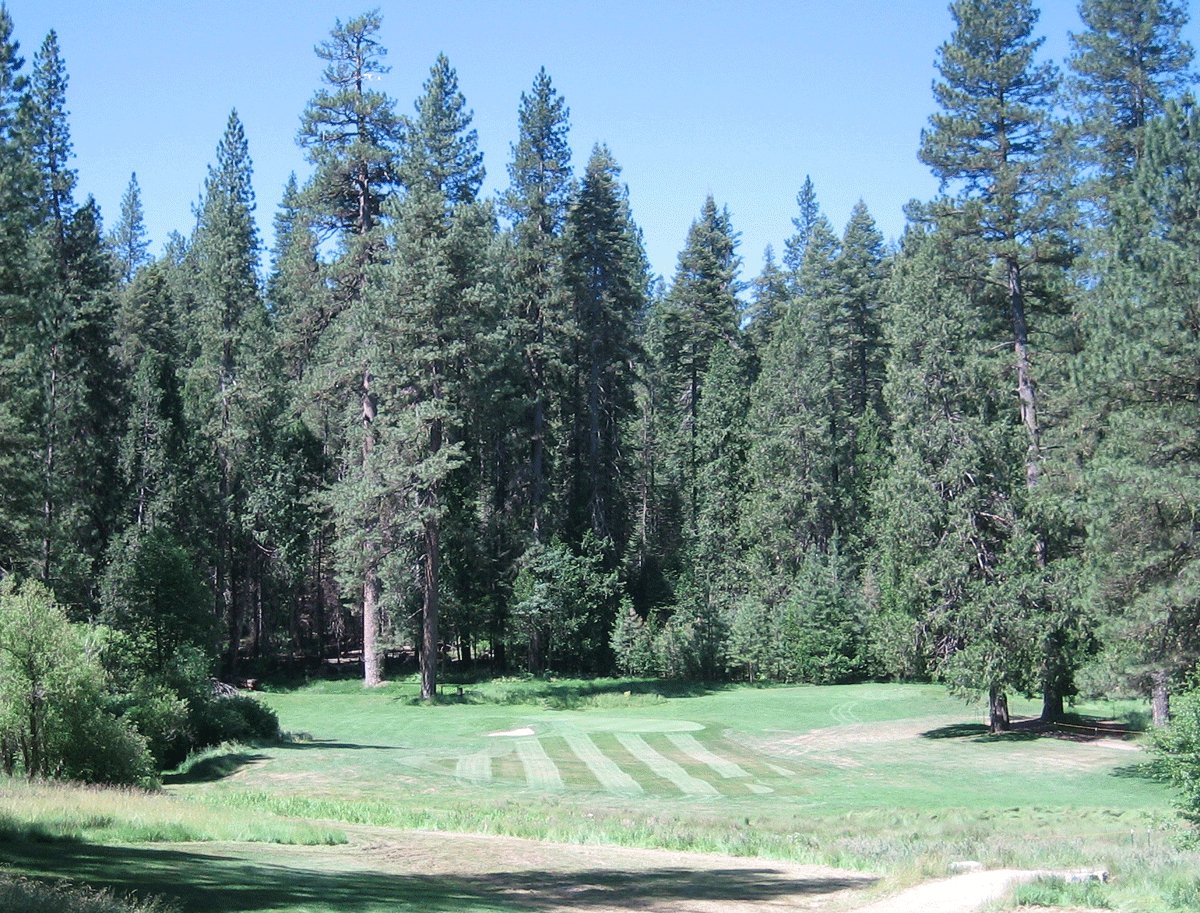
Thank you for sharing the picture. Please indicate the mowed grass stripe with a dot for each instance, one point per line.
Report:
(540, 770)
(665, 767)
(603, 768)
(690, 746)
(475, 767)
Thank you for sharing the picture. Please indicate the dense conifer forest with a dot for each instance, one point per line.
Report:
(420, 429)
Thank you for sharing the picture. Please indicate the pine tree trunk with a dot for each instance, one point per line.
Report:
(1160, 698)
(429, 612)
(1054, 664)
(48, 469)
(372, 673)
(536, 660)
(998, 709)
(1026, 389)
(537, 457)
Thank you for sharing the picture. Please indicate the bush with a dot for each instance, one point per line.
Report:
(232, 719)
(104, 749)
(54, 718)
(1177, 749)
(161, 716)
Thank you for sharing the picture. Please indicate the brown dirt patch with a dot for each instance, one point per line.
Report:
(605, 879)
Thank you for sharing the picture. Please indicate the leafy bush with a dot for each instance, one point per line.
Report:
(54, 718)
(1177, 748)
(161, 716)
(232, 719)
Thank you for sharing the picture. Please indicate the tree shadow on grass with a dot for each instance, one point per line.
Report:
(308, 744)
(1147, 770)
(217, 767)
(978, 732)
(216, 883)
(956, 731)
(1073, 728)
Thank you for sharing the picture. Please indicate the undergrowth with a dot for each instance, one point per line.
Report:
(25, 895)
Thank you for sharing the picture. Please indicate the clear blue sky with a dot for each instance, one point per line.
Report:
(740, 99)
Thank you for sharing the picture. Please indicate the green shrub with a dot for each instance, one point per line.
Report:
(232, 719)
(54, 699)
(161, 716)
(104, 749)
(1177, 748)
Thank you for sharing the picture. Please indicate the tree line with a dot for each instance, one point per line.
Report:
(448, 429)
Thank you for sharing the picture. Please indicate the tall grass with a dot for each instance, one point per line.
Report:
(24, 895)
(65, 811)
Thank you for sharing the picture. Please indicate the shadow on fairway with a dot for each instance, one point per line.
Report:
(1073, 728)
(218, 767)
(956, 731)
(307, 744)
(230, 884)
(1147, 770)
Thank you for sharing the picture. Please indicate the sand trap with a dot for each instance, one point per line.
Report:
(511, 733)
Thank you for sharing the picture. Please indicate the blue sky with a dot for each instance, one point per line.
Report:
(737, 99)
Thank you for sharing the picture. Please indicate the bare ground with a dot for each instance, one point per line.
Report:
(557, 878)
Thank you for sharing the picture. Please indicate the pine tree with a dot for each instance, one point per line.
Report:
(791, 508)
(858, 368)
(606, 275)
(699, 312)
(128, 239)
(771, 296)
(536, 202)
(421, 322)
(951, 553)
(995, 141)
(441, 149)
(350, 131)
(224, 383)
(22, 274)
(1127, 64)
(715, 548)
(1142, 344)
(805, 222)
(77, 414)
(352, 135)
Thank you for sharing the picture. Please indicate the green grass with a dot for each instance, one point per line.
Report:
(899, 780)
(53, 812)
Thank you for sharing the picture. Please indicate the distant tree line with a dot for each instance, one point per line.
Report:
(468, 430)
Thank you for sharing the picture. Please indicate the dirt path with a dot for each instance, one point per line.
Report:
(960, 894)
(556, 878)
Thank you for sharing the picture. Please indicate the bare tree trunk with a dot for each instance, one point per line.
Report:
(429, 612)
(1160, 698)
(372, 673)
(998, 709)
(1054, 665)
(48, 468)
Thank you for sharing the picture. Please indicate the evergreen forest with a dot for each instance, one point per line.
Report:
(418, 430)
